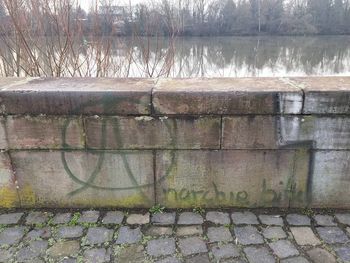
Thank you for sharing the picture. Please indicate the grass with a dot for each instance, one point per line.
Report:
(75, 219)
(157, 209)
(199, 210)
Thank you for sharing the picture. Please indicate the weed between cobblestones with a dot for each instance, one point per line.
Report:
(199, 210)
(156, 209)
(75, 219)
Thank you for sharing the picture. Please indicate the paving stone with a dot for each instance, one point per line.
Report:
(37, 233)
(33, 250)
(161, 247)
(190, 218)
(192, 245)
(295, 260)
(70, 232)
(34, 218)
(298, 220)
(89, 216)
(138, 219)
(11, 235)
(69, 260)
(113, 217)
(240, 218)
(97, 255)
(168, 260)
(258, 255)
(343, 253)
(271, 220)
(189, 230)
(332, 235)
(204, 258)
(348, 230)
(62, 218)
(219, 218)
(321, 255)
(274, 232)
(10, 219)
(233, 260)
(248, 235)
(343, 218)
(219, 234)
(34, 260)
(64, 249)
(128, 235)
(99, 235)
(158, 231)
(163, 218)
(324, 220)
(284, 249)
(225, 251)
(304, 236)
(131, 253)
(5, 255)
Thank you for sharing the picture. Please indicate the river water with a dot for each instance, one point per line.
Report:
(210, 57)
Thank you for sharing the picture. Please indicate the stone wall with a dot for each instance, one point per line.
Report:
(182, 143)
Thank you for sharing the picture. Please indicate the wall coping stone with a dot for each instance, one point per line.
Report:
(198, 96)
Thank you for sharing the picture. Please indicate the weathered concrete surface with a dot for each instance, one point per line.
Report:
(325, 95)
(3, 140)
(45, 132)
(226, 96)
(232, 178)
(85, 179)
(14, 81)
(8, 192)
(153, 133)
(77, 96)
(274, 132)
(331, 181)
(190, 142)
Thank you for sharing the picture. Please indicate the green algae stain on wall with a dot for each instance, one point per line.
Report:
(9, 197)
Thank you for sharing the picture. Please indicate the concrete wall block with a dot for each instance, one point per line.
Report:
(250, 132)
(232, 178)
(275, 132)
(45, 132)
(8, 193)
(85, 179)
(57, 96)
(331, 180)
(153, 133)
(325, 95)
(3, 139)
(226, 96)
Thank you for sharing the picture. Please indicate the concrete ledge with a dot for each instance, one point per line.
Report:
(227, 96)
(182, 143)
(325, 95)
(76, 96)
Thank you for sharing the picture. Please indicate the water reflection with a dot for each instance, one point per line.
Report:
(198, 57)
(263, 57)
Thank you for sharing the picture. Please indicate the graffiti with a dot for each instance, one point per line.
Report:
(107, 102)
(208, 196)
(213, 196)
(187, 194)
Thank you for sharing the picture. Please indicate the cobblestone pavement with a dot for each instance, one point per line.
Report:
(175, 236)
